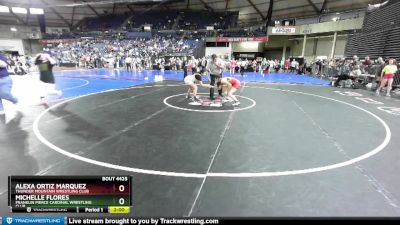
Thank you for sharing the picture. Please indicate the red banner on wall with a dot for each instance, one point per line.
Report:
(240, 39)
(54, 41)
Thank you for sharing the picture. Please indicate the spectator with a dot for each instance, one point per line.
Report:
(19, 70)
(293, 66)
(232, 66)
(287, 65)
(128, 63)
(354, 75)
(387, 75)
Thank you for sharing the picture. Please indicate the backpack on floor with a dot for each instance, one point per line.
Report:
(348, 83)
(342, 83)
(356, 85)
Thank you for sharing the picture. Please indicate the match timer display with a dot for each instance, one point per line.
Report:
(75, 194)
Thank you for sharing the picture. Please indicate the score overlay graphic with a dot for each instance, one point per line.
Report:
(77, 194)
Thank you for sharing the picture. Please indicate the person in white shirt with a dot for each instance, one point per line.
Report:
(111, 62)
(293, 66)
(356, 72)
(128, 63)
(271, 65)
(192, 81)
(243, 65)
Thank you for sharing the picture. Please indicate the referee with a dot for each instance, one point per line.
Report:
(214, 66)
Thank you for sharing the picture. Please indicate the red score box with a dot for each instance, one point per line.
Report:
(122, 188)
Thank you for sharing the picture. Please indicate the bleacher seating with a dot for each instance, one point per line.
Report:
(242, 33)
(367, 44)
(161, 20)
(164, 20)
(59, 36)
(105, 22)
(195, 20)
(385, 16)
(392, 43)
(380, 35)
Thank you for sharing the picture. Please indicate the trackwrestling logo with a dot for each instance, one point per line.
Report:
(33, 220)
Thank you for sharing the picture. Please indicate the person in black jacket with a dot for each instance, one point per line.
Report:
(46, 63)
(185, 67)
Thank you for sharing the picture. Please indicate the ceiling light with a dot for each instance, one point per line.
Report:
(36, 11)
(19, 10)
(4, 9)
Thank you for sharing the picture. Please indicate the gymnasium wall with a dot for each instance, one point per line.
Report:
(32, 47)
(250, 46)
(326, 27)
(340, 46)
(23, 32)
(221, 51)
(27, 32)
(275, 42)
(320, 46)
(15, 45)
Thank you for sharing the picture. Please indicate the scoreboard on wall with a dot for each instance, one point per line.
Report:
(94, 194)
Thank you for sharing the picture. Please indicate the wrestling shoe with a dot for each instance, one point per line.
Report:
(236, 104)
(225, 100)
(194, 99)
(44, 103)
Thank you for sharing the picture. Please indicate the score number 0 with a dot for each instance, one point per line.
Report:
(121, 188)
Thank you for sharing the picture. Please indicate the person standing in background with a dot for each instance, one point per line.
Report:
(277, 66)
(293, 66)
(379, 68)
(387, 75)
(233, 65)
(185, 67)
(128, 63)
(287, 65)
(46, 63)
(242, 64)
